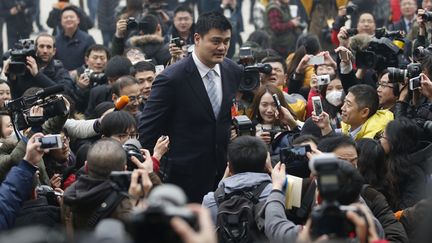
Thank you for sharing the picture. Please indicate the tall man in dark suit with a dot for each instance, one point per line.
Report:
(190, 102)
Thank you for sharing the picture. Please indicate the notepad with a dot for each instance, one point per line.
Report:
(293, 192)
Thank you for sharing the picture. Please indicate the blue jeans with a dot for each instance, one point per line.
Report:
(92, 6)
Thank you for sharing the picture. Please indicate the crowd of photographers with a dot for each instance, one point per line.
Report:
(331, 135)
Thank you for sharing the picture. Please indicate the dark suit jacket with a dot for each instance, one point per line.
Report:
(180, 108)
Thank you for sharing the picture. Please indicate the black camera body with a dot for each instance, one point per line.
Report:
(132, 150)
(243, 126)
(179, 42)
(23, 49)
(295, 153)
(251, 78)
(421, 52)
(95, 78)
(351, 8)
(329, 218)
(380, 54)
(427, 16)
(49, 193)
(52, 105)
(133, 24)
(399, 75)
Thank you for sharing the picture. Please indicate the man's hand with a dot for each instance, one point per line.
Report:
(148, 162)
(304, 63)
(14, 10)
(32, 66)
(265, 136)
(296, 21)
(33, 151)
(421, 22)
(36, 111)
(83, 81)
(177, 53)
(206, 228)
(285, 116)
(364, 226)
(426, 86)
(323, 122)
(140, 184)
(343, 37)
(278, 176)
(121, 28)
(328, 60)
(161, 147)
(55, 181)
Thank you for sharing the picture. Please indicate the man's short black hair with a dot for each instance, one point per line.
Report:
(330, 144)
(98, 48)
(142, 66)
(365, 97)
(247, 154)
(183, 8)
(151, 23)
(305, 138)
(278, 59)
(212, 20)
(123, 82)
(118, 66)
(350, 183)
(117, 122)
(71, 8)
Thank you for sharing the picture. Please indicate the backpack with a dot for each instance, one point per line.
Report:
(238, 219)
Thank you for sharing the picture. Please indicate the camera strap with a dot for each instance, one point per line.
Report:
(106, 208)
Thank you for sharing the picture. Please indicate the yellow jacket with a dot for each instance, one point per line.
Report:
(373, 126)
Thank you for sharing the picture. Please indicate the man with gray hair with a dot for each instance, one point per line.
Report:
(93, 196)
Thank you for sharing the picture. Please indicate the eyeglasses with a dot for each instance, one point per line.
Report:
(387, 85)
(352, 160)
(127, 135)
(138, 98)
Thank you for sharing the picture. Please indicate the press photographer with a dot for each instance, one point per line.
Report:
(339, 185)
(32, 64)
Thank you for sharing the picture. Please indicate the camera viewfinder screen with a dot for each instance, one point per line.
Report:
(48, 142)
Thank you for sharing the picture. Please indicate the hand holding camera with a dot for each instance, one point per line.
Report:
(279, 176)
(148, 162)
(83, 81)
(343, 36)
(140, 184)
(121, 28)
(322, 121)
(426, 86)
(34, 152)
(32, 66)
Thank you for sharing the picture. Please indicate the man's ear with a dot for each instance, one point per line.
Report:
(231, 171)
(197, 38)
(364, 113)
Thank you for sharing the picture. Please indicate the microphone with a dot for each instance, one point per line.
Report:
(50, 91)
(121, 102)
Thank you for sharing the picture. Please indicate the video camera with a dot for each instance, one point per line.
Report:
(380, 54)
(153, 224)
(95, 78)
(251, 78)
(23, 49)
(51, 103)
(329, 218)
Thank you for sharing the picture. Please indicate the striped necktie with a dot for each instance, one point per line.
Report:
(212, 91)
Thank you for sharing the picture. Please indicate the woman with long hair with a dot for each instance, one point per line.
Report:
(407, 161)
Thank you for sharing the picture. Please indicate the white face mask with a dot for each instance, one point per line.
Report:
(334, 97)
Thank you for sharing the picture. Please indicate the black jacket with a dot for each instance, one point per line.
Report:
(377, 203)
(21, 22)
(38, 212)
(53, 74)
(54, 20)
(98, 95)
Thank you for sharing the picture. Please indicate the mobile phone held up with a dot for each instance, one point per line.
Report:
(277, 102)
(316, 60)
(317, 105)
(51, 142)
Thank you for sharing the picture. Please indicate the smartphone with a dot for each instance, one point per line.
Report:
(296, 152)
(316, 60)
(51, 142)
(323, 79)
(414, 83)
(317, 105)
(276, 101)
(343, 55)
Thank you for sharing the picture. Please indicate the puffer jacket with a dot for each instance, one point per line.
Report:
(373, 126)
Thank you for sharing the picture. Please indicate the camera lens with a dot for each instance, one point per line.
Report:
(397, 75)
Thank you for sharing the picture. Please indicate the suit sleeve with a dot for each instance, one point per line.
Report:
(154, 119)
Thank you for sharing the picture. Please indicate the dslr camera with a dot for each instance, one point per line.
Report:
(49, 193)
(153, 224)
(23, 49)
(413, 70)
(133, 24)
(427, 16)
(329, 218)
(243, 126)
(95, 78)
(420, 52)
(132, 148)
(179, 42)
(52, 104)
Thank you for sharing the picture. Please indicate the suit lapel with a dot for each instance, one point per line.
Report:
(197, 85)
(225, 90)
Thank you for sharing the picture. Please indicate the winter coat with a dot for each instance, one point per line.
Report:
(38, 212)
(373, 126)
(85, 196)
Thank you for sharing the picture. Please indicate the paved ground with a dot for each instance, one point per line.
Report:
(46, 6)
